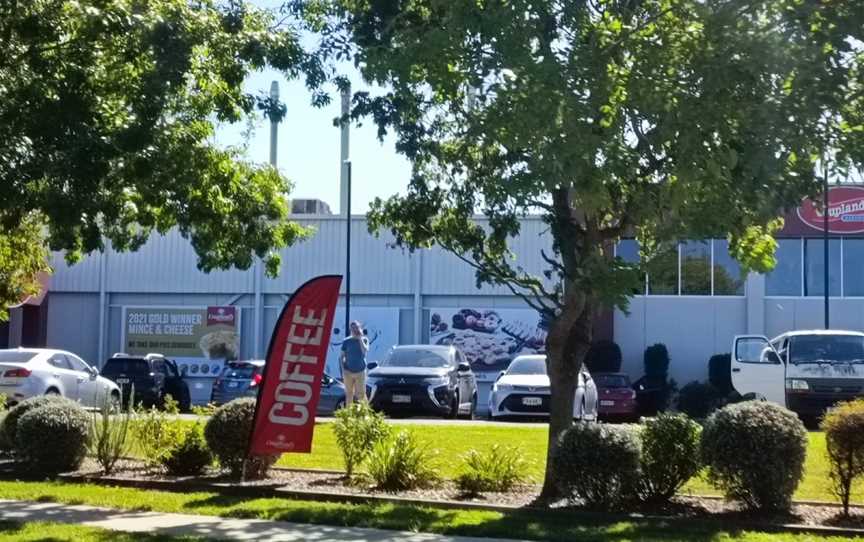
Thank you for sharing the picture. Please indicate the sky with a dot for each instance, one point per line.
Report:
(308, 147)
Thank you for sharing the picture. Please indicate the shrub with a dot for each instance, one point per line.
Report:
(189, 455)
(720, 373)
(499, 469)
(755, 453)
(698, 400)
(155, 433)
(10, 422)
(599, 464)
(656, 362)
(604, 357)
(358, 429)
(402, 463)
(670, 455)
(53, 438)
(5, 446)
(844, 436)
(109, 436)
(227, 433)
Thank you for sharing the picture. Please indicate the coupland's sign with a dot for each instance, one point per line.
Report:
(845, 211)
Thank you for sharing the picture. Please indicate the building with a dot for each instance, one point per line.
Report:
(695, 302)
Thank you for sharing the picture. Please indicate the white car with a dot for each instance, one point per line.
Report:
(523, 391)
(30, 372)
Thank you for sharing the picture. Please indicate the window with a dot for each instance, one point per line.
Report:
(628, 250)
(814, 267)
(59, 361)
(78, 364)
(695, 268)
(853, 264)
(785, 278)
(728, 278)
(158, 366)
(663, 273)
(16, 356)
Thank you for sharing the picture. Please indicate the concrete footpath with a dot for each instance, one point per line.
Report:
(207, 526)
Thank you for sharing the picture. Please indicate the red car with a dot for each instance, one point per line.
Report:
(616, 397)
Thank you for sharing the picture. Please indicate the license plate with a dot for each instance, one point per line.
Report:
(401, 398)
(122, 380)
(233, 384)
(199, 385)
(532, 401)
(607, 403)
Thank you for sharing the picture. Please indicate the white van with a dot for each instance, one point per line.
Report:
(805, 371)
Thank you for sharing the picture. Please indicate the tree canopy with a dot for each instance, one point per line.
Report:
(660, 119)
(107, 111)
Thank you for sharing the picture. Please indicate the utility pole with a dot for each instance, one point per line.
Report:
(345, 167)
(825, 240)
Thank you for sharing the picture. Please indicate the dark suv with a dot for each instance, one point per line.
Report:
(153, 376)
(424, 379)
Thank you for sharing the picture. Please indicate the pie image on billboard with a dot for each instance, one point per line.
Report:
(221, 344)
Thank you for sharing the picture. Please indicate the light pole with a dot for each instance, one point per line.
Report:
(348, 248)
(825, 241)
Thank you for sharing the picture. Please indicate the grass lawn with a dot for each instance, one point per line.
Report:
(55, 532)
(451, 442)
(521, 525)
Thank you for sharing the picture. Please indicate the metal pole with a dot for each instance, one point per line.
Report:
(825, 242)
(348, 249)
(274, 123)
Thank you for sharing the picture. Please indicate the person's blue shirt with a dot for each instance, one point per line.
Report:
(355, 357)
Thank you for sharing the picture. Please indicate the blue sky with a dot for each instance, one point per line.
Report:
(308, 149)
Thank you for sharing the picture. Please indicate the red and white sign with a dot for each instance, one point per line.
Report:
(845, 210)
(221, 315)
(285, 413)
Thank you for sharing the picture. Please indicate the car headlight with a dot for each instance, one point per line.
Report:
(797, 385)
(438, 380)
(371, 381)
(502, 387)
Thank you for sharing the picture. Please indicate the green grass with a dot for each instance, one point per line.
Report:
(54, 532)
(522, 525)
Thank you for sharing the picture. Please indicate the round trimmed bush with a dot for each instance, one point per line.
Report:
(698, 400)
(599, 464)
(227, 433)
(189, 455)
(755, 453)
(53, 438)
(844, 438)
(670, 455)
(10, 422)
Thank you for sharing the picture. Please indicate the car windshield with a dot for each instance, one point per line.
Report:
(405, 357)
(527, 366)
(126, 366)
(16, 356)
(238, 370)
(612, 381)
(827, 348)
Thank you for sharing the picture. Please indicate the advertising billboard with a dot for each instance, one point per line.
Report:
(489, 338)
(845, 210)
(182, 333)
(380, 325)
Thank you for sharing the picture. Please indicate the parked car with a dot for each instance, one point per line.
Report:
(29, 372)
(423, 379)
(807, 371)
(152, 376)
(243, 379)
(616, 397)
(523, 391)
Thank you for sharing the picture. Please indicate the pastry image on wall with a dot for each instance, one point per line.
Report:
(222, 344)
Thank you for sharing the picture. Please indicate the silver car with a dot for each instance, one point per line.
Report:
(30, 372)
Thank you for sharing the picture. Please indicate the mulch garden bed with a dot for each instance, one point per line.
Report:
(318, 485)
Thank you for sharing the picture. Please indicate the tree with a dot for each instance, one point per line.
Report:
(22, 257)
(665, 119)
(107, 111)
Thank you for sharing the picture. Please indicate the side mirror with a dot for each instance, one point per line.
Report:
(772, 357)
(463, 367)
(502, 373)
(94, 372)
(326, 382)
(372, 365)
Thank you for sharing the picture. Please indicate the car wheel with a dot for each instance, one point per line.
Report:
(114, 406)
(472, 409)
(339, 405)
(454, 407)
(53, 391)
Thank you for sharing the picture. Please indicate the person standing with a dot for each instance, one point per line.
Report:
(353, 357)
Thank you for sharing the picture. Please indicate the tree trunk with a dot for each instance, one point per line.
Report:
(568, 342)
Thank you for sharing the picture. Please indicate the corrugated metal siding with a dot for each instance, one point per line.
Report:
(81, 277)
(444, 273)
(168, 264)
(376, 268)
